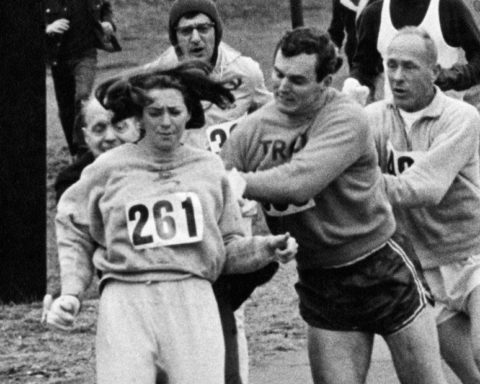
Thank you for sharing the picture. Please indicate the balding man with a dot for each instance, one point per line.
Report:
(428, 150)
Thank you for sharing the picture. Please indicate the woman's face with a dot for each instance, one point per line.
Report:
(165, 119)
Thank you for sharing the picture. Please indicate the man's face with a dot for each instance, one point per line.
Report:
(101, 135)
(295, 85)
(409, 73)
(196, 37)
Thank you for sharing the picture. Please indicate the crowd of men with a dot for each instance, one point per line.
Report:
(383, 199)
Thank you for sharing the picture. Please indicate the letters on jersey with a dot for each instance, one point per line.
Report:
(172, 219)
(280, 151)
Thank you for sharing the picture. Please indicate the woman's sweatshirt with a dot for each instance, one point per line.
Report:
(158, 219)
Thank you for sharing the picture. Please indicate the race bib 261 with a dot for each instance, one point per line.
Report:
(171, 219)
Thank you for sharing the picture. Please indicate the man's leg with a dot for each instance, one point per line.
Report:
(229, 328)
(64, 85)
(416, 351)
(456, 287)
(339, 357)
(84, 73)
(455, 346)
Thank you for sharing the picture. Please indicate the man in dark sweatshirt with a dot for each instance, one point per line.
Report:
(310, 158)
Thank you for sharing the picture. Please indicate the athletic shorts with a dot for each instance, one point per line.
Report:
(451, 286)
(381, 293)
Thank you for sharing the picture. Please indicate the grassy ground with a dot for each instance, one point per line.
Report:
(30, 353)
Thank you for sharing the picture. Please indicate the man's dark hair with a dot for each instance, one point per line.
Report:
(310, 41)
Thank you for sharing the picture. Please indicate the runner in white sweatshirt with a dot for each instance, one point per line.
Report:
(428, 150)
(195, 30)
(165, 214)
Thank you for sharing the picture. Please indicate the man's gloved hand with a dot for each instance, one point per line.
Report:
(356, 91)
(62, 312)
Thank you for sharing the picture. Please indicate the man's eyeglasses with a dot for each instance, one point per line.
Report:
(202, 28)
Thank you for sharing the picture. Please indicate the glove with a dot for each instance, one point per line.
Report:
(62, 312)
(237, 183)
(356, 91)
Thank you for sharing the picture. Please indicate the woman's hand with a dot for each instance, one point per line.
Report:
(285, 246)
(62, 312)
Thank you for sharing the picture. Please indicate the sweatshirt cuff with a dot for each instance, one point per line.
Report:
(73, 285)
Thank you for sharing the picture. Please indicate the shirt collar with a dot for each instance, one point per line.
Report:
(433, 110)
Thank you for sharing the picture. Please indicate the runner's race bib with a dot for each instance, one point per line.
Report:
(286, 209)
(399, 161)
(217, 134)
(171, 219)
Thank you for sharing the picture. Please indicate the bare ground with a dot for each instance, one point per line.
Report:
(32, 353)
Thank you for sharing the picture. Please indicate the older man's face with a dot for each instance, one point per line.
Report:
(101, 135)
(410, 74)
(196, 37)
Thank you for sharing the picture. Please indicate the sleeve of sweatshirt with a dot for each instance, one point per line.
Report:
(77, 218)
(427, 181)
(367, 61)
(334, 143)
(243, 254)
(460, 30)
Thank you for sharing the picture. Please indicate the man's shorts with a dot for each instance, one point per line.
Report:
(381, 293)
(451, 286)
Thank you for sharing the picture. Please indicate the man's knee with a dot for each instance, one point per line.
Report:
(417, 342)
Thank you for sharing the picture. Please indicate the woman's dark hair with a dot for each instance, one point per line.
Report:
(310, 41)
(127, 95)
